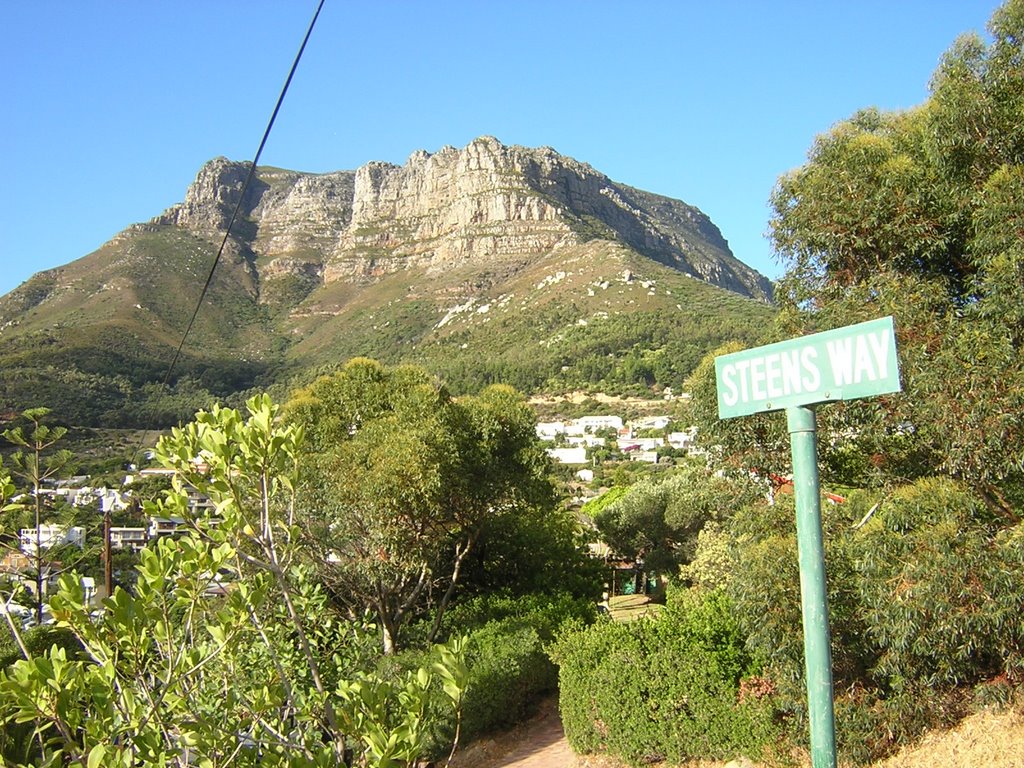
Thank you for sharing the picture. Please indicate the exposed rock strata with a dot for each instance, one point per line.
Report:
(485, 203)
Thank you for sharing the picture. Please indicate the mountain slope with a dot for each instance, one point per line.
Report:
(485, 263)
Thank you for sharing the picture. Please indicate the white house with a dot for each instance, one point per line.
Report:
(628, 444)
(684, 439)
(548, 430)
(595, 423)
(111, 500)
(576, 455)
(51, 535)
(651, 457)
(588, 441)
(156, 472)
(164, 526)
(128, 538)
(651, 422)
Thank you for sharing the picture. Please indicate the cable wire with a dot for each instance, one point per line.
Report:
(238, 207)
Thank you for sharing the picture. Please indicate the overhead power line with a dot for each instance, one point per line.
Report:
(238, 205)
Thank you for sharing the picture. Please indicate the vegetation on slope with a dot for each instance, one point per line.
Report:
(914, 214)
(597, 318)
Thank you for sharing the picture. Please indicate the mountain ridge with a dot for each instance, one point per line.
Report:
(483, 201)
(487, 263)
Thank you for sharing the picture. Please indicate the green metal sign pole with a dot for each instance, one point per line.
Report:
(795, 375)
(813, 597)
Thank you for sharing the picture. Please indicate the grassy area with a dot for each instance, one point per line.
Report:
(629, 607)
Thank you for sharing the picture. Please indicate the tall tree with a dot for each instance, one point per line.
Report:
(919, 214)
(403, 481)
(35, 464)
(658, 520)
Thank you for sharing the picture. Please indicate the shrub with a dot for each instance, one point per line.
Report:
(544, 612)
(664, 689)
(509, 670)
(17, 745)
(942, 589)
(38, 641)
(926, 597)
(765, 586)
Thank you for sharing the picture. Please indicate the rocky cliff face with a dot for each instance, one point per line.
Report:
(482, 204)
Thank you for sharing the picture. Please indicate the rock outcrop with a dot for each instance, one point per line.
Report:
(484, 203)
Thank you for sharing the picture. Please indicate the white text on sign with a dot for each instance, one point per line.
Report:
(856, 361)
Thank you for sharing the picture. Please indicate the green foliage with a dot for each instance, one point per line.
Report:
(38, 641)
(537, 550)
(658, 519)
(713, 560)
(924, 590)
(545, 611)
(388, 718)
(871, 723)
(404, 480)
(596, 506)
(916, 214)
(509, 672)
(942, 588)
(255, 674)
(765, 586)
(102, 399)
(664, 689)
(507, 668)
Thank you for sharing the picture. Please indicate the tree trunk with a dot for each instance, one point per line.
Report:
(390, 636)
(460, 555)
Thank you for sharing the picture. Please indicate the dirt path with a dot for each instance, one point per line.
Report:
(537, 743)
(989, 739)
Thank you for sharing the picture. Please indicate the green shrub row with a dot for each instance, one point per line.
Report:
(665, 688)
(509, 668)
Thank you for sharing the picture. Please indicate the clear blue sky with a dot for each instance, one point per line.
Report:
(110, 108)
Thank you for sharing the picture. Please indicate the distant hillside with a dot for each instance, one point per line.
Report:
(489, 263)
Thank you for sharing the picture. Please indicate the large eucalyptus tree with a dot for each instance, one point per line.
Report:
(918, 214)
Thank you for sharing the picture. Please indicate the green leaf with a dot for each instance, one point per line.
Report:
(96, 755)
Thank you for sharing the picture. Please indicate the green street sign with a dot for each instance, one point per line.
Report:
(841, 364)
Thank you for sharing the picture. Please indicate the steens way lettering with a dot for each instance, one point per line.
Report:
(856, 361)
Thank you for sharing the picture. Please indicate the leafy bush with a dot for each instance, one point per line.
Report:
(659, 519)
(664, 689)
(38, 640)
(765, 585)
(942, 588)
(508, 673)
(926, 597)
(546, 613)
(508, 668)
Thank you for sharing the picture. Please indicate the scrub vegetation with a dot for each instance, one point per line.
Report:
(403, 575)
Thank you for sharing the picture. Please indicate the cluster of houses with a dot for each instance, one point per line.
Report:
(574, 442)
(576, 439)
(19, 564)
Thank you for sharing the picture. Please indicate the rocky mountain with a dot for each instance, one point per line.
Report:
(484, 203)
(490, 262)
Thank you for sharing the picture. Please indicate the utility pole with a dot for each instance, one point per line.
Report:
(39, 556)
(108, 575)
